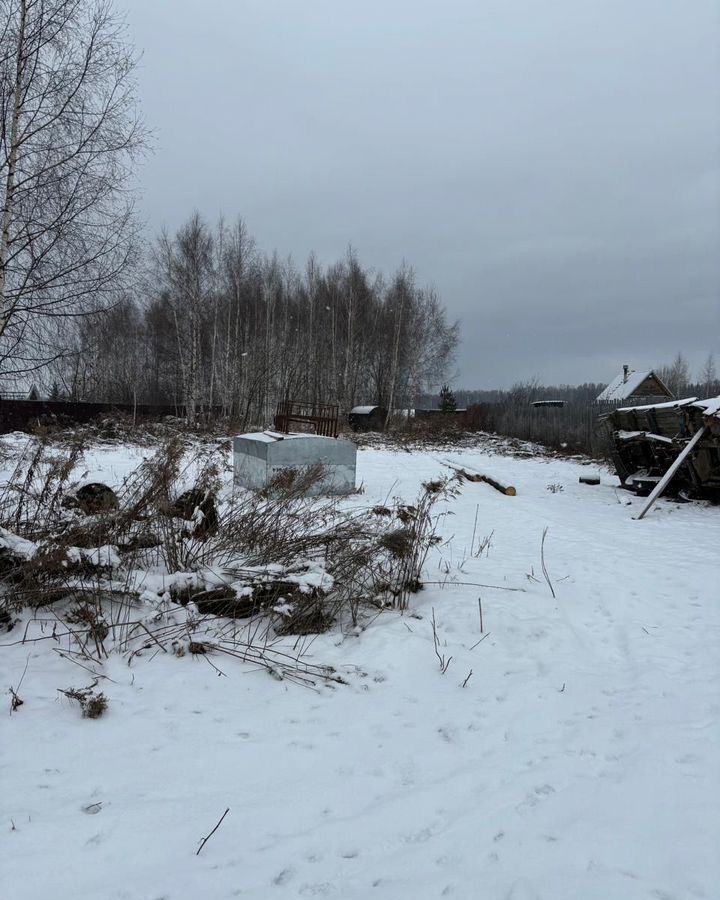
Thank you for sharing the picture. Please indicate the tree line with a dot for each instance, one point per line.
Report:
(575, 425)
(676, 375)
(216, 323)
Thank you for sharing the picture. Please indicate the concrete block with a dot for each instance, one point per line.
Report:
(260, 456)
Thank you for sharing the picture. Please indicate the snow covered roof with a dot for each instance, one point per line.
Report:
(362, 410)
(18, 389)
(624, 387)
(710, 407)
(668, 404)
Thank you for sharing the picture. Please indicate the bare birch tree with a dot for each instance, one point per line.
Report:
(676, 376)
(69, 134)
(707, 376)
(184, 267)
(402, 288)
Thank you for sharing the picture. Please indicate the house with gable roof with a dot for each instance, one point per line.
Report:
(632, 388)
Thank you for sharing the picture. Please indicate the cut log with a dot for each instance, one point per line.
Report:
(506, 489)
(476, 476)
(589, 479)
(667, 477)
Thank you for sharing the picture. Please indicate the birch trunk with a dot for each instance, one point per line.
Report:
(7, 213)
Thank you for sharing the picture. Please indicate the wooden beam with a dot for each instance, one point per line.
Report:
(667, 477)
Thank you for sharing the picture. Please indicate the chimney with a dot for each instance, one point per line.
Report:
(626, 372)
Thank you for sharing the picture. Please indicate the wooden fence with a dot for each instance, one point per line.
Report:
(19, 415)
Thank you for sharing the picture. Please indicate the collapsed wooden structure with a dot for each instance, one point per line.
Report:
(669, 447)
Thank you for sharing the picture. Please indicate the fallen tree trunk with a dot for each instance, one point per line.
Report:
(506, 489)
(476, 476)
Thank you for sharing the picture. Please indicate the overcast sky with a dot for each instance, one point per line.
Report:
(551, 167)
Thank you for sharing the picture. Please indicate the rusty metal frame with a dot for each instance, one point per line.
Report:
(323, 417)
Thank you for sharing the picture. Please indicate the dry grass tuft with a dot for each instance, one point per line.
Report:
(92, 705)
(398, 542)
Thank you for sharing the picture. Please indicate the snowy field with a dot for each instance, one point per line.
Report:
(570, 751)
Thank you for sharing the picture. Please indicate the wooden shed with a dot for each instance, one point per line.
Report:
(367, 418)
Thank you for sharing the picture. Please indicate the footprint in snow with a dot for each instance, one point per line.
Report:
(534, 797)
(522, 890)
(285, 876)
(92, 809)
(324, 889)
(422, 836)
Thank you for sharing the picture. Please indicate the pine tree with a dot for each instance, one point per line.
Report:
(447, 399)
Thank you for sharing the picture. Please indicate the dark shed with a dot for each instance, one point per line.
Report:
(367, 418)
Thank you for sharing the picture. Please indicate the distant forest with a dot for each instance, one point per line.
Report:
(575, 425)
(676, 375)
(217, 323)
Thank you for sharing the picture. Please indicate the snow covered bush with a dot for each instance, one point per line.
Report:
(182, 559)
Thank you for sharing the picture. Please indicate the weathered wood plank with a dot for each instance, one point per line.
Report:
(667, 477)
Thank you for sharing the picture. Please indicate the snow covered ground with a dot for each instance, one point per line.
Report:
(571, 754)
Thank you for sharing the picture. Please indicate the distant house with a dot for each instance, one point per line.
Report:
(635, 387)
(18, 389)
